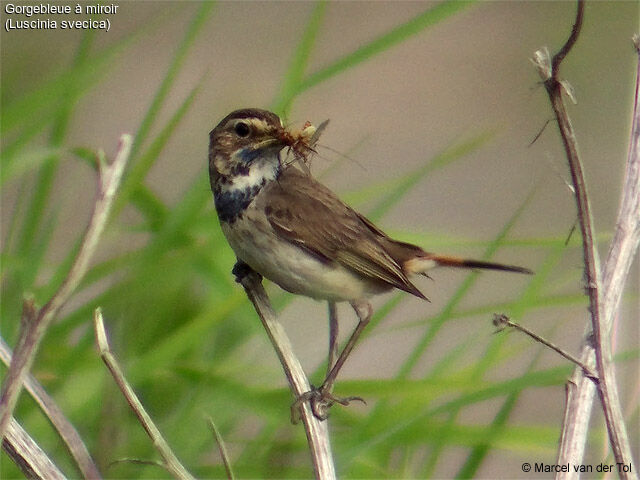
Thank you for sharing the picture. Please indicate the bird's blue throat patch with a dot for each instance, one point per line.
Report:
(234, 191)
(248, 155)
(231, 204)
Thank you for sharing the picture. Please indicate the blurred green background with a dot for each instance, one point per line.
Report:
(432, 108)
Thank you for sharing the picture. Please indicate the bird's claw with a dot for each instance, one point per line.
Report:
(320, 400)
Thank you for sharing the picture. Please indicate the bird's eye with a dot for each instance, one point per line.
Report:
(242, 129)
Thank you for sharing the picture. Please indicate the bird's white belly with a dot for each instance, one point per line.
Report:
(292, 268)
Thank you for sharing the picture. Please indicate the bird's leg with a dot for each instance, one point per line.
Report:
(322, 398)
(333, 335)
(363, 311)
(314, 395)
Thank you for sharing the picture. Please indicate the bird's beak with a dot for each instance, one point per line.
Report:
(270, 143)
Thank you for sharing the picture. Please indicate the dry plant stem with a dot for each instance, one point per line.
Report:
(27, 455)
(65, 429)
(171, 462)
(621, 254)
(33, 329)
(317, 431)
(580, 391)
(607, 389)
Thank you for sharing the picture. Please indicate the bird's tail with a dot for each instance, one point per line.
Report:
(423, 263)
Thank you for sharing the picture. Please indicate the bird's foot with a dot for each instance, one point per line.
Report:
(241, 270)
(320, 400)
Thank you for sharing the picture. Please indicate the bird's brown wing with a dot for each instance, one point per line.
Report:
(311, 216)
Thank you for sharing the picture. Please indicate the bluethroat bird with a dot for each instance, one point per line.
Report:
(293, 230)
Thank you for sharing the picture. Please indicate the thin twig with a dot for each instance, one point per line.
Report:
(64, 427)
(317, 431)
(549, 70)
(28, 456)
(222, 448)
(34, 328)
(501, 321)
(171, 462)
(571, 41)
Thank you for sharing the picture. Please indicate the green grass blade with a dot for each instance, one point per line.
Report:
(36, 109)
(70, 97)
(441, 160)
(530, 296)
(388, 193)
(298, 65)
(132, 180)
(399, 34)
(180, 56)
(409, 418)
(44, 103)
(540, 439)
(182, 218)
(22, 140)
(167, 351)
(62, 270)
(437, 322)
(44, 183)
(465, 392)
(150, 206)
(22, 163)
(138, 172)
(479, 452)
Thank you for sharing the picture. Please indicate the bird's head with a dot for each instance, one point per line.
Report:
(246, 140)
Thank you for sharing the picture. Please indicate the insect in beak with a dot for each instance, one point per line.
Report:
(302, 142)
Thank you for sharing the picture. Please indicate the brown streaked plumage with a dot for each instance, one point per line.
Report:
(296, 232)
